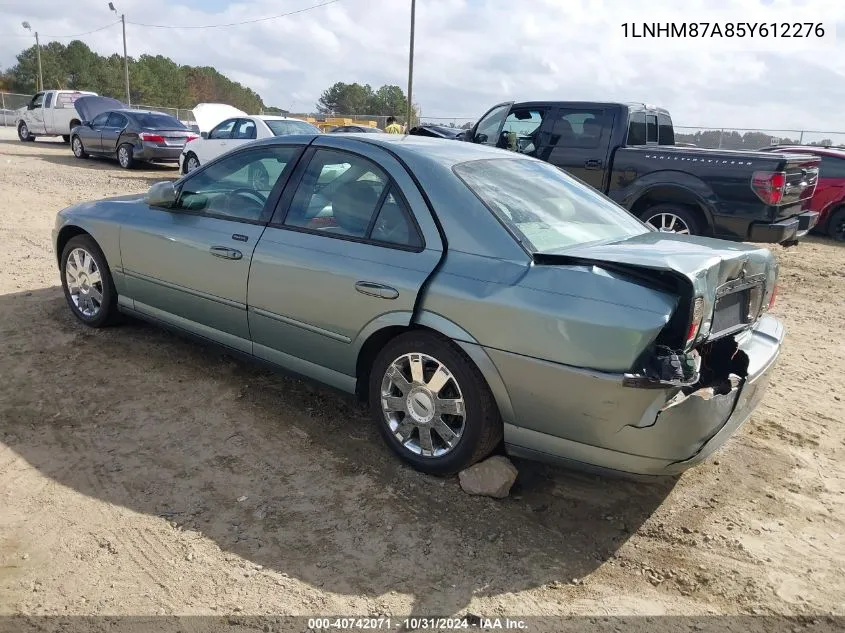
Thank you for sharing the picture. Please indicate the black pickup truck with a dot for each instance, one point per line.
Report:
(627, 151)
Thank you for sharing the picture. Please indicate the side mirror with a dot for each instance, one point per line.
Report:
(162, 195)
(204, 134)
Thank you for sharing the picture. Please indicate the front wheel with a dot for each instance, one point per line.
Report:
(87, 282)
(124, 156)
(24, 134)
(432, 405)
(836, 225)
(670, 218)
(78, 148)
(191, 163)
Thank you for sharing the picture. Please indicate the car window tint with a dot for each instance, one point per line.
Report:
(651, 128)
(393, 223)
(519, 132)
(339, 194)
(236, 186)
(116, 120)
(49, 100)
(245, 129)
(636, 128)
(832, 167)
(224, 130)
(665, 133)
(576, 127)
(100, 119)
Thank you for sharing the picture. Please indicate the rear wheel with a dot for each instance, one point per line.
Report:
(432, 405)
(670, 218)
(87, 282)
(77, 147)
(836, 225)
(124, 156)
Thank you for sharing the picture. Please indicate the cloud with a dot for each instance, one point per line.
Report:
(471, 54)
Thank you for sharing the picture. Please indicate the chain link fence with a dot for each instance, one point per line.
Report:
(705, 137)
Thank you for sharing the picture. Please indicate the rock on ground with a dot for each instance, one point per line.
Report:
(492, 478)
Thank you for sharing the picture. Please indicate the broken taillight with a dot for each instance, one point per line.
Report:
(695, 321)
(769, 186)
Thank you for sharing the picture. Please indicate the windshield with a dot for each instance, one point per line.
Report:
(544, 208)
(283, 128)
(158, 121)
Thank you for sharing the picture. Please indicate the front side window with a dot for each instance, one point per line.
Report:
(346, 195)
(236, 186)
(543, 208)
(38, 100)
(223, 130)
(519, 132)
(488, 128)
(100, 120)
(575, 127)
(245, 129)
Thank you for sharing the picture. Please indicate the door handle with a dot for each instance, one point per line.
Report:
(373, 289)
(225, 252)
(593, 164)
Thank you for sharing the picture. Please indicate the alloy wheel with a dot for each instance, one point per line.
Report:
(77, 148)
(669, 223)
(123, 156)
(193, 163)
(84, 282)
(423, 405)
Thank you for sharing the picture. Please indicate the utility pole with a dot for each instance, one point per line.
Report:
(411, 68)
(125, 56)
(39, 85)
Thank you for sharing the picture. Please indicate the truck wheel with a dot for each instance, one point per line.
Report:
(78, 149)
(836, 225)
(124, 156)
(66, 138)
(670, 218)
(24, 134)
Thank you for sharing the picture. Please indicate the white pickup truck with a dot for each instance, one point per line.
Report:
(50, 113)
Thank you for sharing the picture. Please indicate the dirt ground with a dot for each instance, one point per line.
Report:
(141, 473)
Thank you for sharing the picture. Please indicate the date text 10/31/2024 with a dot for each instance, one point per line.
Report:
(717, 30)
(415, 623)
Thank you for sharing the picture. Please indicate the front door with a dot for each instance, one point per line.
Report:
(111, 132)
(217, 142)
(91, 135)
(346, 252)
(188, 266)
(35, 114)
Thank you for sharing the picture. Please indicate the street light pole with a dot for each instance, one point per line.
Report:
(125, 56)
(39, 85)
(411, 67)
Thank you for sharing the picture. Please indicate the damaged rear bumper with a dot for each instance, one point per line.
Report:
(600, 422)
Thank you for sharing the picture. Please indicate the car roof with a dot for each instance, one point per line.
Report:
(445, 152)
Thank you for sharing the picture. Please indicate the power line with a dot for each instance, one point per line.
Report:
(217, 26)
(65, 37)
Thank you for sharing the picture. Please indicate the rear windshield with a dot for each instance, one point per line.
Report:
(283, 128)
(543, 208)
(158, 121)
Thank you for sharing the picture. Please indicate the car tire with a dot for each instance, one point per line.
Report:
(124, 156)
(87, 282)
(66, 138)
(415, 409)
(836, 225)
(190, 159)
(78, 148)
(666, 218)
(24, 134)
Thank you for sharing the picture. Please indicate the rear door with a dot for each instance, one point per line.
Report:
(111, 132)
(347, 252)
(580, 142)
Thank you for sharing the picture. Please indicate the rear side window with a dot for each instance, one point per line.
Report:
(579, 128)
(665, 133)
(636, 128)
(832, 167)
(651, 128)
(116, 120)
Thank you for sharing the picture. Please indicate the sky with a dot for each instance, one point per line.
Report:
(472, 54)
